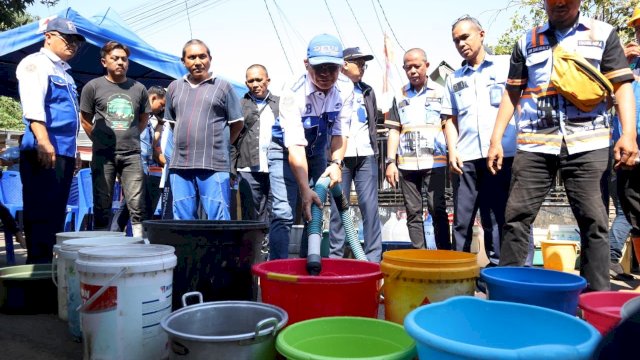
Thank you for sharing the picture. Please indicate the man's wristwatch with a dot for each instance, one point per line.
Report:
(388, 161)
(338, 162)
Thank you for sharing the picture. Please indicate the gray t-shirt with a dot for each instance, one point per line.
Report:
(116, 109)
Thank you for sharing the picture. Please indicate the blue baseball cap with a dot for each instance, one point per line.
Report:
(323, 49)
(63, 26)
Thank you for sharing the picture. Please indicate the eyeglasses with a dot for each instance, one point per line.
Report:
(70, 40)
(327, 67)
(359, 63)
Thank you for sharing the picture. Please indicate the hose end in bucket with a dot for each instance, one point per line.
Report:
(314, 265)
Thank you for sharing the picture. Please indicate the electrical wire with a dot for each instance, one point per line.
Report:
(334, 21)
(364, 34)
(390, 28)
(155, 27)
(278, 35)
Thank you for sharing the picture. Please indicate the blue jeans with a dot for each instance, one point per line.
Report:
(284, 190)
(363, 171)
(620, 227)
(193, 186)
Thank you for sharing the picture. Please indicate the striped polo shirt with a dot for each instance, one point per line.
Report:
(202, 113)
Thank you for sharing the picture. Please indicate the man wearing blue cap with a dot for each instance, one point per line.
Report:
(49, 102)
(312, 112)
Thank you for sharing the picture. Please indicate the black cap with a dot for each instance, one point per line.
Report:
(63, 26)
(354, 53)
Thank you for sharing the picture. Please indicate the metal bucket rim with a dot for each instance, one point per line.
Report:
(227, 338)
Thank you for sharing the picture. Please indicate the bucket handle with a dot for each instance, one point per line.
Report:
(104, 288)
(267, 322)
(481, 285)
(54, 269)
(191, 294)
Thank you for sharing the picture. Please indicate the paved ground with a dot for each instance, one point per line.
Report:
(44, 336)
(32, 337)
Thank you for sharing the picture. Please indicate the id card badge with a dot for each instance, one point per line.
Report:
(495, 94)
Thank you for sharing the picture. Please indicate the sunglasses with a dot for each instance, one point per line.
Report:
(69, 39)
(359, 63)
(326, 67)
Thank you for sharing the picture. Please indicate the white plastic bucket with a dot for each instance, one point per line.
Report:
(62, 236)
(67, 255)
(126, 291)
(59, 279)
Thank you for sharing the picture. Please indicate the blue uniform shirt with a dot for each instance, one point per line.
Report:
(48, 94)
(473, 96)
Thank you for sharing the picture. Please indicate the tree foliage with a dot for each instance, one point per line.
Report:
(531, 13)
(13, 12)
(10, 114)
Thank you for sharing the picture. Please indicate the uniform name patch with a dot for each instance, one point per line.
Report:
(537, 49)
(460, 86)
(592, 43)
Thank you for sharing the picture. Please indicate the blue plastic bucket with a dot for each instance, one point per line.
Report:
(534, 286)
(470, 328)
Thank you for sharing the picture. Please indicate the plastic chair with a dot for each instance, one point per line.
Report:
(85, 198)
(11, 197)
(72, 206)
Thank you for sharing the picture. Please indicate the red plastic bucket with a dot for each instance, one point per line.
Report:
(344, 288)
(602, 308)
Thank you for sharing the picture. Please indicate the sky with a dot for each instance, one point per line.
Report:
(240, 32)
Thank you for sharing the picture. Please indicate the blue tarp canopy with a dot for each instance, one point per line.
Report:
(146, 64)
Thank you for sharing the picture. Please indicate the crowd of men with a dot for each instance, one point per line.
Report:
(503, 128)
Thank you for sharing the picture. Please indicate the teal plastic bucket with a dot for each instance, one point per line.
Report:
(345, 337)
(470, 328)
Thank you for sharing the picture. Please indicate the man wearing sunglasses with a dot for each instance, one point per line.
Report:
(360, 162)
(49, 102)
(312, 112)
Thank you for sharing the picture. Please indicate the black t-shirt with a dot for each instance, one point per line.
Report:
(116, 109)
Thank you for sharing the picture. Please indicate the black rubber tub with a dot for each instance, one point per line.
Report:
(214, 257)
(28, 289)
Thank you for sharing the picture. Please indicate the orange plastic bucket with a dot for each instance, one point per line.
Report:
(559, 254)
(417, 277)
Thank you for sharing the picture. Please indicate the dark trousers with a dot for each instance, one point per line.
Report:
(476, 189)
(44, 194)
(411, 183)
(104, 169)
(363, 170)
(255, 197)
(629, 195)
(152, 193)
(585, 177)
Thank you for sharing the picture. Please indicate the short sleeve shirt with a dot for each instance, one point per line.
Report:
(545, 119)
(305, 110)
(116, 109)
(473, 96)
(416, 115)
(202, 113)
